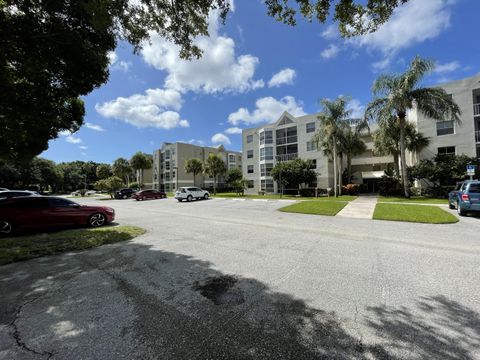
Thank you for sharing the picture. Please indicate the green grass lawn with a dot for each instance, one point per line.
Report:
(413, 213)
(329, 208)
(31, 246)
(413, 199)
(343, 198)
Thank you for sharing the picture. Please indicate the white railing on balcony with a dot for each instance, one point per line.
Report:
(476, 109)
(286, 157)
(287, 140)
(477, 136)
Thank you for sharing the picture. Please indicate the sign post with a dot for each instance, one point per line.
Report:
(471, 171)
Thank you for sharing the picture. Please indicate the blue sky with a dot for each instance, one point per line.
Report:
(253, 69)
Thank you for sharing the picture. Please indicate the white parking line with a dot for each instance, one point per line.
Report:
(264, 200)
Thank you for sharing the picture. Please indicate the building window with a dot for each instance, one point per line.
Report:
(167, 166)
(249, 154)
(446, 150)
(167, 176)
(268, 135)
(311, 146)
(167, 155)
(310, 127)
(250, 169)
(313, 163)
(251, 184)
(287, 135)
(266, 169)
(445, 127)
(249, 139)
(231, 158)
(266, 153)
(267, 185)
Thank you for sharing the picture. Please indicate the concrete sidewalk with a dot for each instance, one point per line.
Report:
(360, 208)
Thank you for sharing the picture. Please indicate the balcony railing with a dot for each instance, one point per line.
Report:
(477, 136)
(286, 157)
(287, 140)
(476, 109)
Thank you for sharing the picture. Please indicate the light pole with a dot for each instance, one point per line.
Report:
(176, 177)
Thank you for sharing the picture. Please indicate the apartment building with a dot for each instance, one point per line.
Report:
(448, 137)
(291, 138)
(169, 165)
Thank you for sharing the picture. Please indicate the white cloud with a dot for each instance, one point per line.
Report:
(65, 133)
(94, 127)
(447, 67)
(268, 109)
(121, 66)
(218, 70)
(220, 138)
(330, 33)
(357, 109)
(284, 76)
(150, 110)
(112, 57)
(330, 52)
(381, 65)
(83, 147)
(73, 140)
(233, 130)
(412, 23)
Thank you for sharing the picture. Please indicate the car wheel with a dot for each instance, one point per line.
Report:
(144, 198)
(96, 220)
(460, 211)
(180, 200)
(6, 228)
(205, 197)
(451, 206)
(124, 196)
(189, 198)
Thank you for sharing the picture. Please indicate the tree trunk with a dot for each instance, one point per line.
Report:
(340, 167)
(395, 164)
(403, 160)
(349, 169)
(194, 175)
(335, 166)
(215, 185)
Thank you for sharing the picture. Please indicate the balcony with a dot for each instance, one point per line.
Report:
(477, 136)
(287, 140)
(286, 157)
(476, 109)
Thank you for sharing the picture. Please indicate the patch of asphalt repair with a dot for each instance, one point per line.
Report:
(220, 290)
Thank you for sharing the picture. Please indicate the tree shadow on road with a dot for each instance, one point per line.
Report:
(135, 301)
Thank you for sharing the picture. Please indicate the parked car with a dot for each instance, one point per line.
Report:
(149, 194)
(468, 198)
(190, 193)
(47, 212)
(453, 195)
(124, 193)
(16, 193)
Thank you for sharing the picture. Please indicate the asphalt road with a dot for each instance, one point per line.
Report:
(229, 279)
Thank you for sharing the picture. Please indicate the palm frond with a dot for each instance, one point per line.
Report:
(419, 67)
(435, 103)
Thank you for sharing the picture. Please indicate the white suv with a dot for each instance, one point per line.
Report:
(190, 193)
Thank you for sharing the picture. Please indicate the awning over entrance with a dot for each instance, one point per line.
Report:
(372, 174)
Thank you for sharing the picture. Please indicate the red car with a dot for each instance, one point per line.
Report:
(49, 212)
(149, 194)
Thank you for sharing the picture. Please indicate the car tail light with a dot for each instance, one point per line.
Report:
(465, 197)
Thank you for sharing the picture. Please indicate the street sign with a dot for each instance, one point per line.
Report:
(471, 170)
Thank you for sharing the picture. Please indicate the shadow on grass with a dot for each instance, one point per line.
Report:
(151, 304)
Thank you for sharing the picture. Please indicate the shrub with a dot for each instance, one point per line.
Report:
(351, 189)
(307, 192)
(389, 186)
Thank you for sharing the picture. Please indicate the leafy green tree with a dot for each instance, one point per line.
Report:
(386, 141)
(239, 186)
(139, 162)
(294, 173)
(110, 185)
(193, 166)
(103, 171)
(233, 175)
(122, 169)
(9, 175)
(214, 167)
(332, 118)
(397, 94)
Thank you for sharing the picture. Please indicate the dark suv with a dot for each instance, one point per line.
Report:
(124, 193)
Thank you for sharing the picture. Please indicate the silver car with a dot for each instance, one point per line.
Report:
(190, 192)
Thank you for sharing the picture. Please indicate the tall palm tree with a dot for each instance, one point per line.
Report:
(352, 145)
(396, 94)
(214, 167)
(139, 162)
(193, 166)
(332, 117)
(386, 141)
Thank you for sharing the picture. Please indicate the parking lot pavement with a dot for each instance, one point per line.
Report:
(224, 279)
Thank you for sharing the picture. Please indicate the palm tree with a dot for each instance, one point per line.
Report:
(193, 166)
(352, 145)
(122, 169)
(386, 141)
(214, 167)
(397, 94)
(140, 162)
(332, 118)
